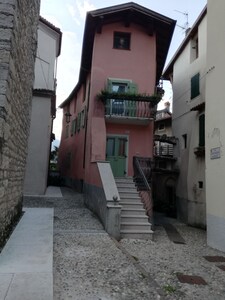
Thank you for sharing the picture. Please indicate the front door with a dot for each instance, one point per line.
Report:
(116, 154)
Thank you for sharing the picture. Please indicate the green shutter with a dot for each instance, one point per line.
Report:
(202, 130)
(109, 85)
(133, 89)
(195, 86)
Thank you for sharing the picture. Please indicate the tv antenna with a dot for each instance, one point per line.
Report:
(186, 24)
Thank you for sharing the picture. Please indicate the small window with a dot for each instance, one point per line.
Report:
(194, 48)
(161, 126)
(121, 40)
(184, 137)
(195, 86)
(200, 184)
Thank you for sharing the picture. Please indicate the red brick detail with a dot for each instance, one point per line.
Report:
(191, 279)
(222, 267)
(215, 258)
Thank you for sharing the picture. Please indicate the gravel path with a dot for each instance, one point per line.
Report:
(89, 265)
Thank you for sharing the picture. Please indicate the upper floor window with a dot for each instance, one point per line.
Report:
(195, 86)
(121, 40)
(161, 126)
(194, 48)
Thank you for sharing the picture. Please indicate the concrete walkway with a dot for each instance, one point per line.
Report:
(27, 258)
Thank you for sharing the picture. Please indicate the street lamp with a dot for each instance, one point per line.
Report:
(67, 115)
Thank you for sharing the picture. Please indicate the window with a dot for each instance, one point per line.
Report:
(184, 137)
(195, 86)
(202, 130)
(120, 106)
(161, 126)
(194, 48)
(121, 40)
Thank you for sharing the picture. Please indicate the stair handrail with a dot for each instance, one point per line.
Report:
(139, 173)
(145, 191)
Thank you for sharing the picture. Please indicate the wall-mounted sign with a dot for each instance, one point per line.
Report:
(215, 153)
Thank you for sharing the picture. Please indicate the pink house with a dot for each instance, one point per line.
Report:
(109, 115)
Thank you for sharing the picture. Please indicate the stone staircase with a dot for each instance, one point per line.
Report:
(134, 221)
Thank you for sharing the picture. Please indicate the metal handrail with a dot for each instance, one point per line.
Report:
(139, 172)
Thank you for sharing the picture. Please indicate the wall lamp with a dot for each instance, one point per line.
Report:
(67, 115)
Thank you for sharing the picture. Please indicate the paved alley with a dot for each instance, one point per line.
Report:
(89, 265)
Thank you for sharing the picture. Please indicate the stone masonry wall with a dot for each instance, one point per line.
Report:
(18, 41)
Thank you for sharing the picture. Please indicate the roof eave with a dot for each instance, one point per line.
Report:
(169, 67)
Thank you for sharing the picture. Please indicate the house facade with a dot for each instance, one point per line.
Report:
(187, 73)
(18, 26)
(215, 134)
(108, 117)
(43, 108)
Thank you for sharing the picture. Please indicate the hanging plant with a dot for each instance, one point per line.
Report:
(153, 99)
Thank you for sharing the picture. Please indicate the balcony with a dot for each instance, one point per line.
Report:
(129, 108)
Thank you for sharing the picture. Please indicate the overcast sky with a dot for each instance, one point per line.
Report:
(69, 16)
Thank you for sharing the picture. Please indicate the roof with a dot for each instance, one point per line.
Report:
(56, 29)
(128, 12)
(190, 35)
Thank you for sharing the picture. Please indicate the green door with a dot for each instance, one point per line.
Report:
(116, 154)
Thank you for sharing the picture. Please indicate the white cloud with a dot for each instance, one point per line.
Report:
(73, 12)
(83, 7)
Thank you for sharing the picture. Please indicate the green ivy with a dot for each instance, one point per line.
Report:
(154, 99)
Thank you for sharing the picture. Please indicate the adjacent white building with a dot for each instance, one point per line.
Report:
(215, 125)
(43, 108)
(187, 73)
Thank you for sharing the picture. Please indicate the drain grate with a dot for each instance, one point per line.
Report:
(222, 267)
(191, 279)
(215, 258)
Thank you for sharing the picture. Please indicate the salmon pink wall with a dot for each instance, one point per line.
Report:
(140, 140)
(137, 64)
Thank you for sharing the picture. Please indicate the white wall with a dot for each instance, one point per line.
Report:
(45, 58)
(215, 125)
(190, 198)
(41, 121)
(38, 147)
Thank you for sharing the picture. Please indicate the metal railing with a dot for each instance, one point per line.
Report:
(142, 179)
(128, 108)
(142, 172)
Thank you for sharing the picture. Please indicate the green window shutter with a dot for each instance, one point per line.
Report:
(78, 122)
(75, 126)
(132, 88)
(195, 86)
(202, 130)
(109, 85)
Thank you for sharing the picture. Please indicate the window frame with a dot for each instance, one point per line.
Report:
(118, 35)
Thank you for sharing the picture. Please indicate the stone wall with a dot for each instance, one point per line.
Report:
(18, 41)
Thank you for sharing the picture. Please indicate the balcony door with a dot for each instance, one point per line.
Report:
(116, 154)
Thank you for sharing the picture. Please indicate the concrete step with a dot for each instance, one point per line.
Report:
(135, 226)
(130, 197)
(128, 193)
(132, 211)
(126, 184)
(124, 180)
(125, 189)
(134, 218)
(137, 234)
(131, 204)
